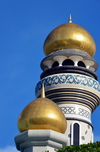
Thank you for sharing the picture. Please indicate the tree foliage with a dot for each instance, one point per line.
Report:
(90, 147)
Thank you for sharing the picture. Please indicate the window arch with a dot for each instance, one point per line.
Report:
(75, 134)
(67, 62)
(55, 64)
(80, 63)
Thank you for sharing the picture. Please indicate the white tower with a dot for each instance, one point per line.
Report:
(69, 79)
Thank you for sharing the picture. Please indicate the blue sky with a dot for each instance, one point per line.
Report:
(24, 26)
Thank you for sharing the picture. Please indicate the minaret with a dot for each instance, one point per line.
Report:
(70, 80)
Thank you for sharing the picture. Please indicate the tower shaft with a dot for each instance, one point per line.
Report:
(74, 88)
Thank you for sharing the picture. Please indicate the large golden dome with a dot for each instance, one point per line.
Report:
(69, 35)
(42, 113)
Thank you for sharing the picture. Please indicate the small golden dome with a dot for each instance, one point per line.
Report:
(42, 113)
(69, 35)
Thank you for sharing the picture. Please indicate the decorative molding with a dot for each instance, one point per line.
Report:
(74, 54)
(84, 113)
(75, 79)
(69, 69)
(68, 110)
(72, 110)
(69, 96)
(80, 92)
(77, 101)
(76, 94)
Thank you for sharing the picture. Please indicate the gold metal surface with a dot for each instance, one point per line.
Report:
(42, 91)
(69, 35)
(42, 113)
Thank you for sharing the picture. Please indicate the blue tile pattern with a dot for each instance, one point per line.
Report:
(68, 79)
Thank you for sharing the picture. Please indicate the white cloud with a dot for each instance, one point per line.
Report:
(9, 149)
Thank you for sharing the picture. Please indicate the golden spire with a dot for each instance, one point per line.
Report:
(70, 19)
(43, 91)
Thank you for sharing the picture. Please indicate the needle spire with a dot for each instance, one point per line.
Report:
(70, 19)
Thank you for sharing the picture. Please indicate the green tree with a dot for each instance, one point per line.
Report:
(90, 147)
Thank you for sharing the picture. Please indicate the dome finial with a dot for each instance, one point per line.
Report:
(70, 19)
(43, 91)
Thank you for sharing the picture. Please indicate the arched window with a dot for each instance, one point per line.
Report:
(80, 63)
(68, 62)
(76, 134)
(55, 64)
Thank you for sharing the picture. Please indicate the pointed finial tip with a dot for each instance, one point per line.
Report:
(70, 19)
(42, 91)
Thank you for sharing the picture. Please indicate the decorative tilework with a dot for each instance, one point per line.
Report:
(68, 110)
(84, 113)
(69, 79)
(80, 111)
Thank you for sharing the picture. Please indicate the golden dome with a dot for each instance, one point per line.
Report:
(69, 35)
(42, 113)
